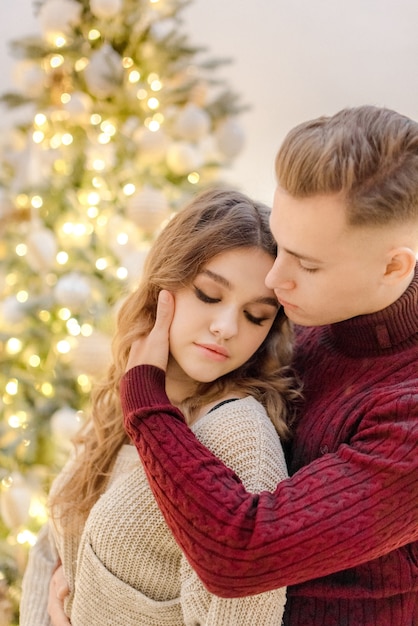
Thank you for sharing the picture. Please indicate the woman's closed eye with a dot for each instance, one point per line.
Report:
(258, 321)
(253, 319)
(201, 295)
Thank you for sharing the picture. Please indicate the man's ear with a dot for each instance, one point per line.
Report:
(400, 265)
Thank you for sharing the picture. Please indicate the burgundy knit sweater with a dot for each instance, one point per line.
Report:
(342, 531)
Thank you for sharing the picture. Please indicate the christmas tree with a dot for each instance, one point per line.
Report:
(122, 121)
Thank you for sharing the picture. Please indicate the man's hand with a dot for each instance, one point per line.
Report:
(154, 349)
(58, 591)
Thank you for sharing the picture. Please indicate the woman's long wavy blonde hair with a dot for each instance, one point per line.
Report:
(215, 221)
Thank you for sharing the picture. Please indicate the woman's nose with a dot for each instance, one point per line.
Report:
(225, 324)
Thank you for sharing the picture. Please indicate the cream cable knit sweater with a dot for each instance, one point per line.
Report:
(127, 569)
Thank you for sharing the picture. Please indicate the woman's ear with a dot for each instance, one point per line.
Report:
(400, 265)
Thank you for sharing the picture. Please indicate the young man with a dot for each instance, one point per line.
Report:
(342, 531)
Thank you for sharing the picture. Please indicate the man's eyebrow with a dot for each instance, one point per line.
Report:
(221, 280)
(301, 257)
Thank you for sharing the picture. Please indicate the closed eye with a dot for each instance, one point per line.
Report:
(258, 321)
(201, 295)
(309, 269)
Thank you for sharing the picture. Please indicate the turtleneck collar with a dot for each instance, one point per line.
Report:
(384, 332)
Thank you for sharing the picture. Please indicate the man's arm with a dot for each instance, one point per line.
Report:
(338, 512)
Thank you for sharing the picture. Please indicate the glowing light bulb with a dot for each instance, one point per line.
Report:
(122, 239)
(38, 136)
(13, 346)
(34, 360)
(22, 296)
(64, 313)
(129, 189)
(12, 387)
(73, 327)
(101, 264)
(67, 139)
(62, 258)
(154, 125)
(93, 198)
(153, 103)
(37, 202)
(40, 119)
(47, 390)
(94, 34)
(127, 62)
(60, 41)
(63, 347)
(86, 330)
(21, 249)
(193, 178)
(56, 61)
(141, 94)
(134, 76)
(122, 273)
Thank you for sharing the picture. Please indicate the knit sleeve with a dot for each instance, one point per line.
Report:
(241, 434)
(35, 585)
(343, 509)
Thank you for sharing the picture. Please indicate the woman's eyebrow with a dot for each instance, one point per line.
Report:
(221, 280)
(217, 278)
(267, 300)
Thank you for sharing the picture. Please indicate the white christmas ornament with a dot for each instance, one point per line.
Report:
(104, 72)
(58, 17)
(29, 77)
(134, 261)
(148, 209)
(192, 123)
(152, 145)
(12, 311)
(183, 158)
(230, 137)
(92, 354)
(15, 501)
(72, 290)
(41, 248)
(65, 423)
(79, 106)
(105, 8)
(103, 155)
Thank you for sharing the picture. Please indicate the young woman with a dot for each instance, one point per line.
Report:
(228, 372)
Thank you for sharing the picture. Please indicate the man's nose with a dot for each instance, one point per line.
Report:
(279, 276)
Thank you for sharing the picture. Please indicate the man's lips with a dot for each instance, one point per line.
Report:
(214, 351)
(287, 305)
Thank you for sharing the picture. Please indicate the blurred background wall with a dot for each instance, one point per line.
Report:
(292, 60)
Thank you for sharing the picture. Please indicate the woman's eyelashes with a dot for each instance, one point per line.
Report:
(203, 297)
(258, 321)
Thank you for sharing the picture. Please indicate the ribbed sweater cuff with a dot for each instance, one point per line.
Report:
(143, 386)
(142, 395)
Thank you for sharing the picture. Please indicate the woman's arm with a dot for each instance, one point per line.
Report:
(243, 437)
(42, 562)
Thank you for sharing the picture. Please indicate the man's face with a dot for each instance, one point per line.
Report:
(325, 271)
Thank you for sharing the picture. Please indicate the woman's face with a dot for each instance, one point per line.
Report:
(221, 318)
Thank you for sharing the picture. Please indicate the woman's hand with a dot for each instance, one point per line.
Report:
(58, 591)
(154, 349)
